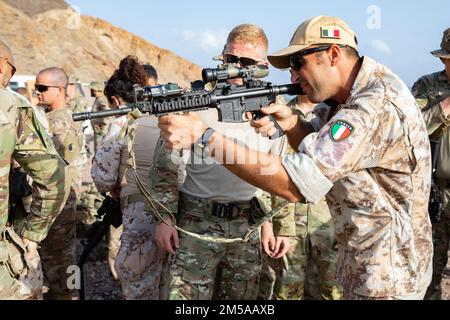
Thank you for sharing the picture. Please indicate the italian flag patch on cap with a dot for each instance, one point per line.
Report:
(331, 32)
(340, 131)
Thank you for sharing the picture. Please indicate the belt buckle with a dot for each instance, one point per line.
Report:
(223, 210)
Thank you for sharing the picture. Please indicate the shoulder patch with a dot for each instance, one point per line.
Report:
(340, 131)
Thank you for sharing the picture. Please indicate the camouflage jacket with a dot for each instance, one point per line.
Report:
(429, 91)
(23, 138)
(372, 160)
(66, 134)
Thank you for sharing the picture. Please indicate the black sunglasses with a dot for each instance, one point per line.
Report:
(297, 61)
(43, 88)
(13, 68)
(243, 61)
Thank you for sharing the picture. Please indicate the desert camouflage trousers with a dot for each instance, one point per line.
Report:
(142, 267)
(113, 237)
(20, 276)
(204, 270)
(441, 241)
(58, 252)
(309, 268)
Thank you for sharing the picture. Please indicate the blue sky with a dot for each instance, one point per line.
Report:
(399, 34)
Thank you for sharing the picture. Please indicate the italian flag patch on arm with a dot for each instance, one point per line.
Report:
(340, 131)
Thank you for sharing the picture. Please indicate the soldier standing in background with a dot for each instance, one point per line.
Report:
(432, 93)
(100, 126)
(76, 101)
(214, 202)
(58, 250)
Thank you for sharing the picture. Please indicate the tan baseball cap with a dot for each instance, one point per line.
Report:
(318, 30)
(444, 52)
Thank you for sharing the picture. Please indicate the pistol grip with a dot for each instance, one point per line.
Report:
(280, 133)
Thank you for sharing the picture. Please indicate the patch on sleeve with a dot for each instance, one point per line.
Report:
(340, 131)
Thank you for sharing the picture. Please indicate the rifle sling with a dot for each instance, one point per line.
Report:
(154, 203)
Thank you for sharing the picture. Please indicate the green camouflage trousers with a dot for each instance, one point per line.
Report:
(142, 267)
(313, 249)
(441, 241)
(205, 270)
(58, 252)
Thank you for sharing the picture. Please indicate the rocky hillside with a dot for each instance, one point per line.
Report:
(45, 33)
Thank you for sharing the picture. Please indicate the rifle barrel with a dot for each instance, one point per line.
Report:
(83, 116)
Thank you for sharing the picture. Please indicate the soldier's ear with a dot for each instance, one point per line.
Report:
(115, 103)
(335, 54)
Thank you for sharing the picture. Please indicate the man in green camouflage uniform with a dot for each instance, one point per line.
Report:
(432, 93)
(23, 139)
(58, 250)
(215, 203)
(312, 242)
(100, 126)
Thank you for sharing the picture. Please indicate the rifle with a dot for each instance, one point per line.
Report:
(435, 207)
(232, 101)
(110, 214)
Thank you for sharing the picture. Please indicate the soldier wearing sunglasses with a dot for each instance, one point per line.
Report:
(58, 250)
(214, 202)
(23, 138)
(368, 154)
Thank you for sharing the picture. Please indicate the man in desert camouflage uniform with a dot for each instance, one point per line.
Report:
(432, 93)
(58, 250)
(369, 155)
(100, 126)
(214, 202)
(312, 242)
(24, 139)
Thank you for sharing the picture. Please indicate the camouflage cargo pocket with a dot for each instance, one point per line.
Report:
(199, 283)
(135, 257)
(15, 252)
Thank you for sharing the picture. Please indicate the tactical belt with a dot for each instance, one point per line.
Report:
(226, 211)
